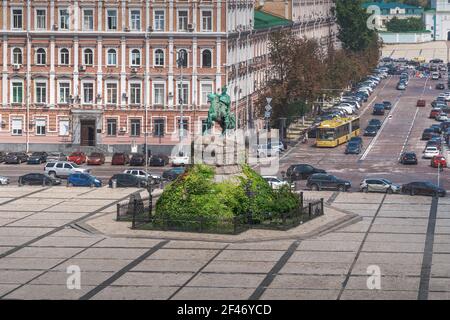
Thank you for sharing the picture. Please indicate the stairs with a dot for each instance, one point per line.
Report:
(297, 128)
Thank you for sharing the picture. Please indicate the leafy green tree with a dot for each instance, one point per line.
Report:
(405, 25)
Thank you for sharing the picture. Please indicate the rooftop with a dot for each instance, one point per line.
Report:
(265, 20)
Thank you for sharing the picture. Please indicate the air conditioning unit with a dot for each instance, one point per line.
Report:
(55, 27)
(126, 29)
(171, 94)
(82, 68)
(134, 70)
(123, 129)
(150, 29)
(16, 67)
(190, 27)
(45, 106)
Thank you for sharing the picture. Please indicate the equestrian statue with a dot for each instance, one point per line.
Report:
(219, 111)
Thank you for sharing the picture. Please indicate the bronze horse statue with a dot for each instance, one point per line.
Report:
(219, 111)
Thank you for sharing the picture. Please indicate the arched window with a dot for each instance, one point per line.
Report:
(64, 56)
(112, 57)
(159, 58)
(88, 57)
(40, 56)
(135, 57)
(182, 58)
(17, 56)
(206, 59)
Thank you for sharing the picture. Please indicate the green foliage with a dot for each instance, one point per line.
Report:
(195, 195)
(405, 25)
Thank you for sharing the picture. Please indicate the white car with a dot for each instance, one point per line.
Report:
(277, 183)
(435, 76)
(178, 161)
(143, 174)
(447, 96)
(430, 152)
(442, 117)
(4, 180)
(347, 108)
(264, 150)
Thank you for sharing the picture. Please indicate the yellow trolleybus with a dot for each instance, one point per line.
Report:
(332, 133)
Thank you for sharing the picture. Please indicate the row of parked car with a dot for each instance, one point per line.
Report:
(319, 179)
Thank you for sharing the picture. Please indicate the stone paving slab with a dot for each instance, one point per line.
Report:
(238, 267)
(316, 268)
(401, 221)
(18, 276)
(88, 278)
(441, 248)
(204, 293)
(322, 256)
(14, 241)
(306, 282)
(36, 252)
(50, 292)
(443, 230)
(5, 288)
(378, 295)
(23, 232)
(388, 269)
(28, 222)
(153, 279)
(440, 284)
(170, 265)
(374, 198)
(391, 237)
(4, 249)
(387, 283)
(183, 254)
(111, 265)
(390, 257)
(29, 263)
(224, 280)
(71, 242)
(13, 214)
(295, 294)
(438, 295)
(126, 243)
(111, 253)
(135, 293)
(386, 246)
(440, 270)
(329, 245)
(243, 255)
(399, 229)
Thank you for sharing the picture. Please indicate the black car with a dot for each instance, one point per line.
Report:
(440, 86)
(125, 180)
(137, 160)
(357, 139)
(353, 147)
(38, 179)
(2, 156)
(436, 128)
(378, 110)
(371, 131)
(387, 105)
(423, 188)
(427, 134)
(320, 181)
(408, 158)
(375, 122)
(37, 158)
(301, 172)
(173, 173)
(16, 157)
(158, 160)
(444, 126)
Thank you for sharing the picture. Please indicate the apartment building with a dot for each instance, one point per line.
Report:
(107, 73)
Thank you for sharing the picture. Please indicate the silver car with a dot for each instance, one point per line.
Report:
(379, 185)
(63, 169)
(4, 180)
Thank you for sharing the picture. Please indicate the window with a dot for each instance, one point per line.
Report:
(158, 127)
(182, 20)
(41, 92)
(158, 93)
(206, 59)
(135, 127)
(64, 92)
(111, 127)
(183, 93)
(135, 93)
(64, 56)
(88, 57)
(135, 20)
(206, 20)
(88, 92)
(17, 19)
(112, 20)
(135, 57)
(40, 56)
(159, 58)
(207, 89)
(112, 57)
(88, 19)
(111, 93)
(40, 127)
(17, 90)
(64, 19)
(185, 126)
(159, 20)
(17, 56)
(40, 19)
(63, 127)
(16, 125)
(182, 58)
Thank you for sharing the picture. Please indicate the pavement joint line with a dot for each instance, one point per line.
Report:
(197, 272)
(49, 270)
(347, 277)
(24, 196)
(123, 271)
(32, 214)
(55, 230)
(425, 273)
(266, 282)
(332, 198)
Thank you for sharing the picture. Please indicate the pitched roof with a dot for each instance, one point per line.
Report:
(390, 5)
(266, 20)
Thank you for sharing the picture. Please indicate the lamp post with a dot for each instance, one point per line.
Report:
(180, 62)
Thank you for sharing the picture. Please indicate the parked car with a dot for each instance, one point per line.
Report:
(37, 158)
(378, 110)
(96, 158)
(137, 160)
(16, 157)
(423, 188)
(321, 181)
(438, 161)
(2, 156)
(173, 173)
(375, 122)
(180, 160)
(4, 180)
(158, 160)
(408, 158)
(56, 156)
(353, 147)
(120, 159)
(427, 134)
(124, 180)
(421, 103)
(435, 76)
(77, 157)
(371, 131)
(440, 86)
(430, 152)
(442, 117)
(387, 105)
(144, 175)
(301, 172)
(434, 113)
(83, 180)
(379, 185)
(63, 169)
(277, 183)
(436, 128)
(38, 179)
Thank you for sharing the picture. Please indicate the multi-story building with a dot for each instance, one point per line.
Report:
(389, 10)
(106, 73)
(437, 20)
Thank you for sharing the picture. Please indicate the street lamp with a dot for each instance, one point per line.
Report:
(180, 62)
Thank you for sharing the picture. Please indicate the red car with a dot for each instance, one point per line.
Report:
(438, 160)
(96, 158)
(434, 113)
(77, 157)
(120, 159)
(421, 103)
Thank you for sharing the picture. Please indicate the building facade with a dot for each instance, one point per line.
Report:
(389, 10)
(108, 74)
(437, 20)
